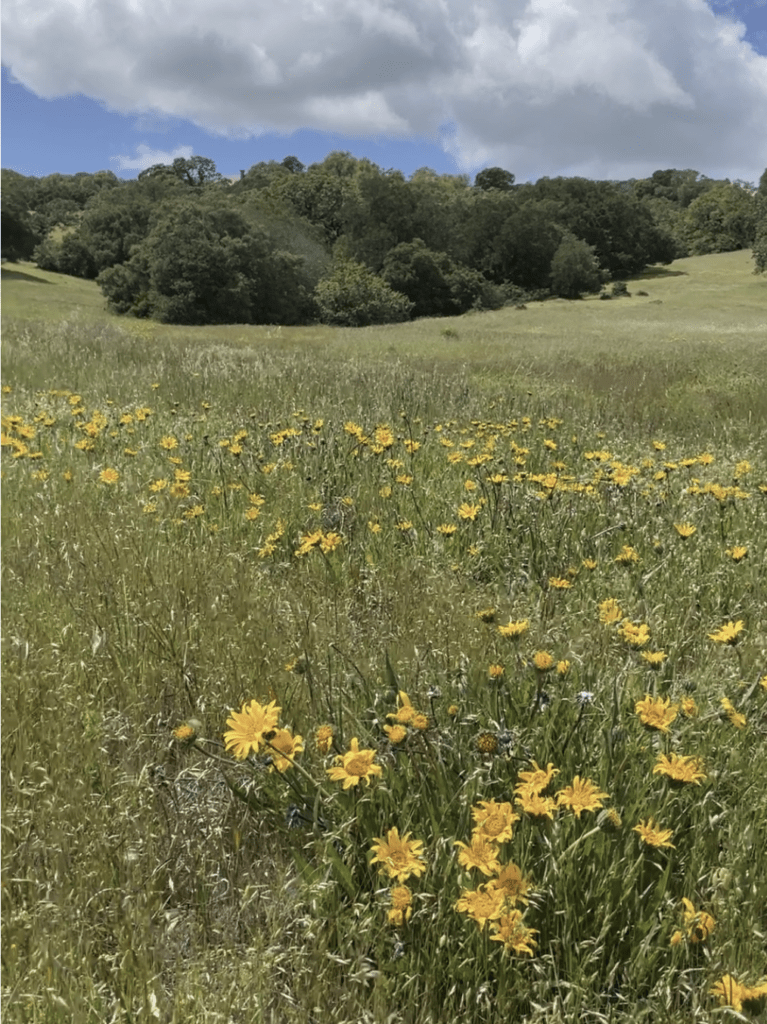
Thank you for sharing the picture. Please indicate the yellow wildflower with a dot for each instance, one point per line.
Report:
(738, 553)
(610, 611)
(401, 906)
(514, 630)
(401, 857)
(728, 634)
(247, 727)
(558, 583)
(656, 713)
(284, 746)
(679, 768)
(535, 804)
(323, 738)
(737, 719)
(654, 658)
(685, 530)
(482, 904)
(514, 935)
(468, 511)
(583, 795)
(493, 821)
(395, 733)
(537, 780)
(627, 555)
(652, 835)
(480, 854)
(543, 661)
(354, 766)
(636, 636)
(698, 924)
(511, 882)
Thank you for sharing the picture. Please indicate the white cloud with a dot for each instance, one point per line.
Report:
(147, 157)
(539, 86)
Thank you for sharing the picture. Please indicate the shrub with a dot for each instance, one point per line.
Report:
(353, 296)
(574, 269)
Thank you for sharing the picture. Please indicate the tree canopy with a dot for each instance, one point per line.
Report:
(288, 243)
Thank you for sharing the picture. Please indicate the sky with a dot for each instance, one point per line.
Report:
(607, 89)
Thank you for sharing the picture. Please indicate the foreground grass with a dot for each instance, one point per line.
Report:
(150, 878)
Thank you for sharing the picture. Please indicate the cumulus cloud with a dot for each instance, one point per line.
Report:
(538, 86)
(147, 157)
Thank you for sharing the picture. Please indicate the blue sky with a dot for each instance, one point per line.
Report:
(542, 87)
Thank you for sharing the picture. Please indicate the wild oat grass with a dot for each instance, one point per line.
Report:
(346, 679)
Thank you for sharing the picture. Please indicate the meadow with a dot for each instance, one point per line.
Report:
(406, 675)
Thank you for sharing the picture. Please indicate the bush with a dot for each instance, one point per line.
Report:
(353, 296)
(513, 295)
(126, 287)
(574, 269)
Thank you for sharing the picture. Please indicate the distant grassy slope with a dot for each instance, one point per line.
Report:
(698, 296)
(697, 343)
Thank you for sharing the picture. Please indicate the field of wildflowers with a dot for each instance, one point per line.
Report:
(360, 691)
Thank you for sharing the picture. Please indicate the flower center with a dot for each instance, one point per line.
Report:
(493, 824)
(358, 765)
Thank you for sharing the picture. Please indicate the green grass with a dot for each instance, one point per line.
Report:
(693, 345)
(147, 879)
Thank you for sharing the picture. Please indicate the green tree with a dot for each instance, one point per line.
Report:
(260, 175)
(433, 282)
(760, 249)
(494, 177)
(114, 223)
(760, 237)
(670, 218)
(126, 287)
(679, 188)
(58, 212)
(293, 164)
(67, 255)
(19, 236)
(353, 296)
(575, 268)
(379, 214)
(204, 263)
(615, 222)
(317, 195)
(196, 171)
(723, 219)
(510, 241)
(438, 203)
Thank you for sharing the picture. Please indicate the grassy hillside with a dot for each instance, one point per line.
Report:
(693, 347)
(494, 582)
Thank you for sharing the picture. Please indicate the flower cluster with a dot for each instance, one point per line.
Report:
(495, 901)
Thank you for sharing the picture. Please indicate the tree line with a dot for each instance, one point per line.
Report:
(344, 242)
